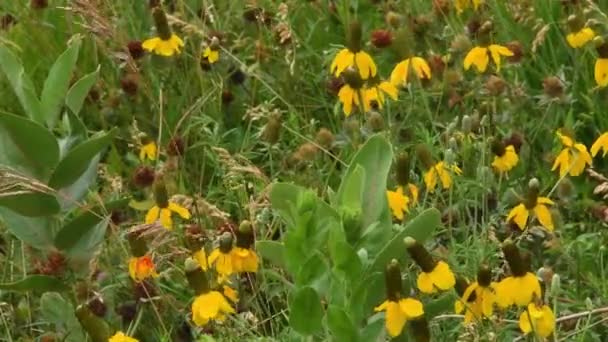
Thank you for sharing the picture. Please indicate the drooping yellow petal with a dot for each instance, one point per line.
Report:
(244, 260)
(399, 73)
(230, 293)
(544, 216)
(395, 319)
(121, 337)
(212, 56)
(544, 200)
(580, 38)
(389, 89)
(600, 143)
(413, 192)
(148, 151)
(152, 215)
(601, 72)
(430, 179)
(421, 67)
(562, 161)
(365, 64)
(201, 257)
(411, 307)
(546, 324)
(346, 96)
(425, 283)
(208, 306)
(150, 44)
(525, 289)
(442, 276)
(496, 51)
(344, 58)
(179, 210)
(519, 215)
(478, 56)
(507, 161)
(444, 175)
(397, 202)
(165, 218)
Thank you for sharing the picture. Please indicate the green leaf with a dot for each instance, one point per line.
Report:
(36, 145)
(55, 309)
(272, 251)
(352, 195)
(285, 198)
(375, 327)
(142, 205)
(72, 194)
(77, 161)
(36, 283)
(57, 82)
(341, 325)
(315, 273)
(31, 204)
(305, 311)
(440, 305)
(420, 228)
(369, 293)
(34, 231)
(80, 90)
(21, 83)
(86, 228)
(375, 157)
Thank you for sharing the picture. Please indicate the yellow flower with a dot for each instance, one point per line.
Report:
(479, 56)
(121, 337)
(440, 277)
(399, 202)
(398, 312)
(580, 38)
(201, 257)
(506, 161)
(476, 302)
(165, 214)
(541, 320)
(440, 170)
(231, 293)
(148, 150)
(400, 73)
(600, 143)
(375, 94)
(520, 213)
(141, 268)
(359, 60)
(461, 5)
(349, 97)
(244, 260)
(164, 47)
(223, 261)
(601, 72)
(208, 306)
(518, 290)
(211, 55)
(573, 158)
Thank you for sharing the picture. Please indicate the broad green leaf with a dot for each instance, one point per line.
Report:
(58, 81)
(285, 198)
(341, 325)
(352, 195)
(440, 305)
(142, 205)
(346, 260)
(78, 160)
(21, 83)
(375, 327)
(35, 283)
(305, 311)
(420, 228)
(272, 251)
(315, 273)
(55, 309)
(33, 231)
(369, 293)
(80, 90)
(37, 146)
(72, 194)
(85, 228)
(31, 204)
(77, 127)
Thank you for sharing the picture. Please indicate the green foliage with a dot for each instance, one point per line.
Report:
(35, 283)
(58, 311)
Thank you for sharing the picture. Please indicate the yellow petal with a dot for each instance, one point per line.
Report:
(563, 162)
(133, 268)
(601, 72)
(544, 216)
(525, 289)
(181, 211)
(430, 179)
(399, 74)
(150, 44)
(425, 283)
(344, 58)
(346, 96)
(444, 175)
(389, 89)
(478, 56)
(442, 276)
(600, 143)
(382, 306)
(544, 200)
(395, 319)
(152, 215)
(201, 257)
(411, 307)
(365, 64)
(421, 67)
(497, 51)
(519, 215)
(546, 323)
(165, 218)
(397, 202)
(580, 38)
(524, 323)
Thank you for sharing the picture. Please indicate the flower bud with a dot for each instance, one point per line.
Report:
(197, 278)
(419, 254)
(272, 130)
(602, 49)
(39, 4)
(160, 193)
(461, 44)
(306, 152)
(130, 84)
(423, 153)
(161, 23)
(495, 85)
(392, 276)
(553, 87)
(375, 121)
(466, 124)
(498, 148)
(325, 138)
(403, 169)
(484, 276)
(461, 285)
(449, 156)
(354, 37)
(575, 23)
(226, 242)
(514, 258)
(394, 20)
(245, 236)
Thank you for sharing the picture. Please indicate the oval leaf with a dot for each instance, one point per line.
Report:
(37, 283)
(37, 145)
(305, 311)
(78, 159)
(31, 204)
(272, 251)
(341, 325)
(80, 90)
(21, 83)
(34, 231)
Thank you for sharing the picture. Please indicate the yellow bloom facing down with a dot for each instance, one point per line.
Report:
(359, 60)
(441, 277)
(163, 47)
(520, 214)
(507, 161)
(398, 312)
(244, 260)
(600, 144)
(222, 261)
(148, 151)
(479, 56)
(164, 214)
(517, 290)
(539, 319)
(211, 55)
(141, 268)
(400, 73)
(210, 306)
(476, 302)
(580, 38)
(601, 72)
(461, 5)
(375, 94)
(442, 171)
(349, 98)
(121, 337)
(398, 202)
(201, 257)
(573, 158)
(230, 293)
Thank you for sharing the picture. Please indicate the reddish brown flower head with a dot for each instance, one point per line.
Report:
(176, 146)
(135, 49)
(518, 51)
(333, 85)
(437, 64)
(382, 38)
(143, 176)
(130, 84)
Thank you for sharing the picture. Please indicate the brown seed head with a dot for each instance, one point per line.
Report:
(325, 138)
(553, 87)
(381, 38)
(495, 85)
(143, 176)
(136, 50)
